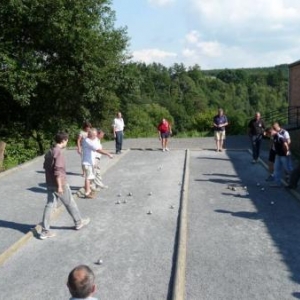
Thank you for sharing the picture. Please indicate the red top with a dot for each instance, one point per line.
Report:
(164, 127)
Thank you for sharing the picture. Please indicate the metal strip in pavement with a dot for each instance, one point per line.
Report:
(178, 292)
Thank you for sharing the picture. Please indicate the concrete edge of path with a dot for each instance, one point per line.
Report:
(55, 215)
(178, 289)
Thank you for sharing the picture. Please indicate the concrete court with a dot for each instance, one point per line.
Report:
(137, 249)
(242, 244)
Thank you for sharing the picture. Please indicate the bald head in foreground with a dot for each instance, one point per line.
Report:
(81, 283)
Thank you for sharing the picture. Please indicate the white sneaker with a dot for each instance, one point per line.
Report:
(163, 149)
(46, 234)
(167, 149)
(83, 223)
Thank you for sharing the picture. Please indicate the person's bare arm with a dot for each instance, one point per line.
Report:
(59, 185)
(79, 144)
(101, 151)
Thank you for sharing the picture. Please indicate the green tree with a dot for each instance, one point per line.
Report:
(59, 61)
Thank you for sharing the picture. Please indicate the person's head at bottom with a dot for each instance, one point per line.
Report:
(81, 282)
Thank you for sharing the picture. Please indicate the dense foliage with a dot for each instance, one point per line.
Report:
(189, 97)
(63, 61)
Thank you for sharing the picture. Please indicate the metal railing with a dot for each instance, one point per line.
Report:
(289, 118)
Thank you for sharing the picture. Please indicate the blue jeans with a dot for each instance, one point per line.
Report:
(282, 163)
(119, 141)
(256, 143)
(68, 201)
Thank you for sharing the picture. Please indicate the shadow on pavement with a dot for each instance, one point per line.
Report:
(281, 218)
(203, 157)
(296, 295)
(44, 190)
(241, 214)
(219, 174)
(16, 226)
(225, 181)
(37, 190)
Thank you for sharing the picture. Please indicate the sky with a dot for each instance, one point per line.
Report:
(214, 34)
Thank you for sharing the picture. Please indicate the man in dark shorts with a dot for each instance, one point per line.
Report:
(256, 129)
(220, 122)
(164, 132)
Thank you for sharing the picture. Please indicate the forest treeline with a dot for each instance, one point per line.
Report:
(64, 61)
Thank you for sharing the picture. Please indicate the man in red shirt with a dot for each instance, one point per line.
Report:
(164, 132)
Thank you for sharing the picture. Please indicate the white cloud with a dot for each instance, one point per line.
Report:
(220, 33)
(242, 33)
(213, 54)
(207, 48)
(153, 55)
(237, 11)
(193, 37)
(160, 2)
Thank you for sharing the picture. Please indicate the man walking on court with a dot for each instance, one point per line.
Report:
(58, 188)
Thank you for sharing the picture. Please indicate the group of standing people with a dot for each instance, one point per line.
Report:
(90, 149)
(280, 160)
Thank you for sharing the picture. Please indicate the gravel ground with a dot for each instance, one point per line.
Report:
(240, 245)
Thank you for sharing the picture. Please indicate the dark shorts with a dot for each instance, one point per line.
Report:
(272, 155)
(165, 135)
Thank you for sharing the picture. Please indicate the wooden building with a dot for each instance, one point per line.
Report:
(294, 84)
(294, 104)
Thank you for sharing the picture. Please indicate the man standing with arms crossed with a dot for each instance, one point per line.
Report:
(118, 128)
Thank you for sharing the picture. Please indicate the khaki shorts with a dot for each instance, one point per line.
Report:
(220, 135)
(89, 172)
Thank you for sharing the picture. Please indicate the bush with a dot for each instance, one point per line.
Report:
(16, 154)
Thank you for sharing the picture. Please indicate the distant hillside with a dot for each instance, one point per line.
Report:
(254, 71)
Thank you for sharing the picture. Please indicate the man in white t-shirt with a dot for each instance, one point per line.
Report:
(90, 145)
(118, 128)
